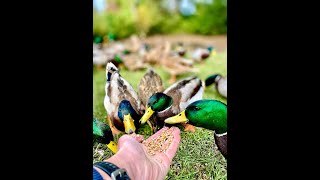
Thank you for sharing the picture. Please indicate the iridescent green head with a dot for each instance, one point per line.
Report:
(210, 48)
(156, 103)
(159, 102)
(209, 114)
(118, 59)
(103, 134)
(97, 39)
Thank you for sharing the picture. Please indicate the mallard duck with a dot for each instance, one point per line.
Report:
(200, 54)
(149, 84)
(220, 83)
(176, 65)
(118, 89)
(133, 62)
(173, 100)
(155, 55)
(102, 134)
(209, 114)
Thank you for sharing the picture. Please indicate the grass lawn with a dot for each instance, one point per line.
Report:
(197, 157)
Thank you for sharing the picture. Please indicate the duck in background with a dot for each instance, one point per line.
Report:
(220, 83)
(154, 55)
(209, 114)
(174, 64)
(179, 49)
(200, 54)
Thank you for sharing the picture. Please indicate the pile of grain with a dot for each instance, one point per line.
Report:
(159, 144)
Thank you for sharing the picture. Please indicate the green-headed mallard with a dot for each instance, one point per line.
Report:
(102, 134)
(173, 100)
(220, 83)
(118, 89)
(209, 114)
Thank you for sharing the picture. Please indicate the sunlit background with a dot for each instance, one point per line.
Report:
(122, 18)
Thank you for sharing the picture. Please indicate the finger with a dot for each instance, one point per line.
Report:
(137, 137)
(126, 139)
(173, 147)
(129, 145)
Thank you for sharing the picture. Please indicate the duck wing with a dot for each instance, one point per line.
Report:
(185, 92)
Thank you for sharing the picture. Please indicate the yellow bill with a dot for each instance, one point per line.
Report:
(146, 115)
(213, 53)
(180, 118)
(128, 122)
(113, 146)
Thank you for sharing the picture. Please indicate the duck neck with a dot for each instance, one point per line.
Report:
(162, 115)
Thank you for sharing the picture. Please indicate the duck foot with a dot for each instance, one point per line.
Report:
(114, 130)
(172, 79)
(189, 128)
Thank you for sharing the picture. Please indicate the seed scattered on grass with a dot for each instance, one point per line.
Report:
(101, 152)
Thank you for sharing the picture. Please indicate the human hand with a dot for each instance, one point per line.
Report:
(140, 161)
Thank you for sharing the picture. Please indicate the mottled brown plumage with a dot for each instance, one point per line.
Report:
(149, 84)
(183, 93)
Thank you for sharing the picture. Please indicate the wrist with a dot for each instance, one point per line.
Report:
(123, 163)
(104, 175)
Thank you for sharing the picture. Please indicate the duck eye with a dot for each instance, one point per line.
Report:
(195, 108)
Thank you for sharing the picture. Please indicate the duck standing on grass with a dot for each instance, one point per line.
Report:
(209, 114)
(201, 54)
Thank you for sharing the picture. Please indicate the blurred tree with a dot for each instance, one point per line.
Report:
(124, 17)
